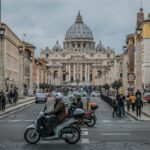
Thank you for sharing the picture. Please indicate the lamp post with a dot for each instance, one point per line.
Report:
(21, 74)
(2, 73)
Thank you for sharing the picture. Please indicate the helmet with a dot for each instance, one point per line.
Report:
(58, 95)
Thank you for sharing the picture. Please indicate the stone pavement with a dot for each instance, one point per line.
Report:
(20, 103)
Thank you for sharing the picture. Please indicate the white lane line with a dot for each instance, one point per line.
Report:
(119, 134)
(16, 120)
(13, 121)
(84, 129)
(106, 120)
(121, 121)
(85, 133)
(85, 141)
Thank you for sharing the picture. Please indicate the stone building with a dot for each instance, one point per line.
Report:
(39, 73)
(16, 59)
(79, 61)
(10, 56)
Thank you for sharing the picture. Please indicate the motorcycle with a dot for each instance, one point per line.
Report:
(69, 131)
(88, 118)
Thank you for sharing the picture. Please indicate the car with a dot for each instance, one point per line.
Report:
(40, 97)
(95, 94)
(147, 97)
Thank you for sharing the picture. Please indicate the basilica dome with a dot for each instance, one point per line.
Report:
(79, 30)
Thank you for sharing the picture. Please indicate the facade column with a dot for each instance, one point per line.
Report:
(74, 72)
(31, 75)
(138, 67)
(21, 73)
(2, 70)
(37, 79)
(81, 72)
(85, 72)
(69, 73)
(88, 74)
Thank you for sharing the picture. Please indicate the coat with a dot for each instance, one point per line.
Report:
(59, 110)
(138, 102)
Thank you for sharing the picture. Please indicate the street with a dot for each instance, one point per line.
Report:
(108, 134)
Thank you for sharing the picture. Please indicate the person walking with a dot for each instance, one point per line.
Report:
(128, 103)
(115, 107)
(138, 93)
(121, 100)
(138, 104)
(15, 98)
(2, 101)
(132, 99)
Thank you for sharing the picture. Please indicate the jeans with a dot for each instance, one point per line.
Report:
(138, 111)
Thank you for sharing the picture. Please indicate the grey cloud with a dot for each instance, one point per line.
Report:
(45, 21)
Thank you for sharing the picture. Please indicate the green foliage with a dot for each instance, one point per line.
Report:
(106, 86)
(116, 84)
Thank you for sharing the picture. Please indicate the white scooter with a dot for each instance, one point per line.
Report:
(69, 131)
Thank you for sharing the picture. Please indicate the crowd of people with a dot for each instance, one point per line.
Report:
(11, 97)
(132, 101)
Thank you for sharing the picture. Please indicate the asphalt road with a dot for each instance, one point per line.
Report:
(108, 134)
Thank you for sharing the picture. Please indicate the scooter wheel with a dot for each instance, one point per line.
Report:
(76, 135)
(91, 123)
(31, 136)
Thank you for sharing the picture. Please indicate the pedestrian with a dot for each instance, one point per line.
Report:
(138, 104)
(132, 99)
(115, 107)
(138, 93)
(15, 96)
(128, 103)
(121, 101)
(2, 101)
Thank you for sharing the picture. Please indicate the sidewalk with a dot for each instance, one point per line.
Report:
(145, 116)
(20, 103)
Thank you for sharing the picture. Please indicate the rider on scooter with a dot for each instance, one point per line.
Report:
(58, 114)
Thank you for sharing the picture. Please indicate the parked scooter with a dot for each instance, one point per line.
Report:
(88, 118)
(69, 131)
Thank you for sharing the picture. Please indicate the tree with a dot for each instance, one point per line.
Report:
(106, 86)
(116, 84)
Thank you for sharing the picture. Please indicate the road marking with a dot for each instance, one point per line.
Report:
(84, 129)
(85, 141)
(85, 133)
(119, 134)
(106, 120)
(13, 121)
(16, 120)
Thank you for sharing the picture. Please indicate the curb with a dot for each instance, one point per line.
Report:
(131, 115)
(23, 104)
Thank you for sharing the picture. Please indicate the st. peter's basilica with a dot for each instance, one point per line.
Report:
(79, 61)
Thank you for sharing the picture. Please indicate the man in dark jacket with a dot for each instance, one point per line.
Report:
(138, 104)
(58, 114)
(138, 93)
(2, 101)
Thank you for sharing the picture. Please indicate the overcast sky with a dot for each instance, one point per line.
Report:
(45, 21)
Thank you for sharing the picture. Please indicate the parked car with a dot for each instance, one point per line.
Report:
(40, 97)
(147, 97)
(95, 94)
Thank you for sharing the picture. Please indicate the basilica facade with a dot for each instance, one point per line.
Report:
(80, 61)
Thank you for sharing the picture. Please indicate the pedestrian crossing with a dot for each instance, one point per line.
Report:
(99, 121)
